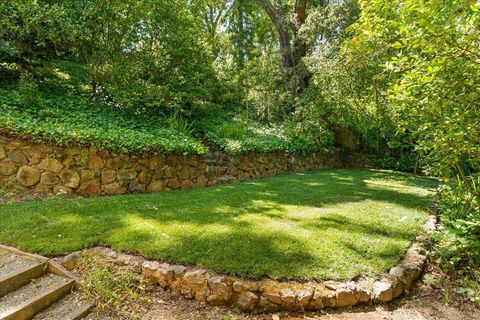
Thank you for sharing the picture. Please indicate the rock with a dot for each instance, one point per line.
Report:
(383, 290)
(322, 298)
(3, 155)
(273, 297)
(187, 184)
(70, 178)
(266, 305)
(87, 175)
(17, 157)
(61, 190)
(195, 284)
(89, 188)
(173, 183)
(184, 173)
(52, 165)
(49, 178)
(126, 175)
(168, 172)
(288, 299)
(135, 187)
(345, 298)
(113, 189)
(144, 177)
(221, 290)
(148, 269)
(109, 176)
(7, 168)
(201, 181)
(95, 162)
(155, 186)
(303, 297)
(28, 176)
(164, 275)
(245, 285)
(72, 260)
(247, 301)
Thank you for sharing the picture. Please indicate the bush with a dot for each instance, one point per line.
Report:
(457, 243)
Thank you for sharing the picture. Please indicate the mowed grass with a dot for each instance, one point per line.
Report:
(327, 224)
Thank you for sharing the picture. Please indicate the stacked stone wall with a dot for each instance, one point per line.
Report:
(38, 167)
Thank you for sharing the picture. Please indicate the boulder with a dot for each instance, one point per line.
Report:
(49, 179)
(144, 177)
(247, 301)
(17, 157)
(70, 178)
(28, 176)
(61, 190)
(221, 290)
(383, 290)
(7, 168)
(52, 165)
(113, 188)
(95, 162)
(135, 187)
(3, 155)
(108, 176)
(89, 188)
(201, 181)
(148, 269)
(126, 175)
(72, 260)
(155, 186)
(195, 284)
(187, 184)
(303, 297)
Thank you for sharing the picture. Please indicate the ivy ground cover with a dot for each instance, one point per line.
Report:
(327, 224)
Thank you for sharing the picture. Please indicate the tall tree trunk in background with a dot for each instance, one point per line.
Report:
(291, 55)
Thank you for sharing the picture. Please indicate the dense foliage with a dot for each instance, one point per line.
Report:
(397, 80)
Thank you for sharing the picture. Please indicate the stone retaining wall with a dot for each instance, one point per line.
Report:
(269, 295)
(45, 169)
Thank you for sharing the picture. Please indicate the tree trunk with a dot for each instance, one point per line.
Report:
(291, 58)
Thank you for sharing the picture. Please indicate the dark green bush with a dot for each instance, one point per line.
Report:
(457, 243)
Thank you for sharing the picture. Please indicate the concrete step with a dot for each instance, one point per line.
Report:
(17, 279)
(72, 307)
(34, 297)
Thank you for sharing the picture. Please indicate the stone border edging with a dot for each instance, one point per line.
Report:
(269, 295)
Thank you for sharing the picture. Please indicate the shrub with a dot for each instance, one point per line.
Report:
(457, 243)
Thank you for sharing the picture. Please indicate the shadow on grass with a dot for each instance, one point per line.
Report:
(296, 226)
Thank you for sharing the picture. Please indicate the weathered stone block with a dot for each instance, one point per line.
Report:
(17, 157)
(28, 176)
(52, 165)
(247, 301)
(70, 178)
(3, 155)
(113, 188)
(155, 186)
(108, 176)
(49, 179)
(89, 188)
(7, 168)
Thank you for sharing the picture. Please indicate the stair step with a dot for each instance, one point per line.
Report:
(72, 307)
(10, 262)
(18, 279)
(34, 297)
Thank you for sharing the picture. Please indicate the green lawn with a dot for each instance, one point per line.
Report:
(328, 224)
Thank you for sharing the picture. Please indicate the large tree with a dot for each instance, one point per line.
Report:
(292, 46)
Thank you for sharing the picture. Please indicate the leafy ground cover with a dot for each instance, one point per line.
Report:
(328, 224)
(57, 105)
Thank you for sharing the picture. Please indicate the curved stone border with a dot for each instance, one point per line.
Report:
(269, 295)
